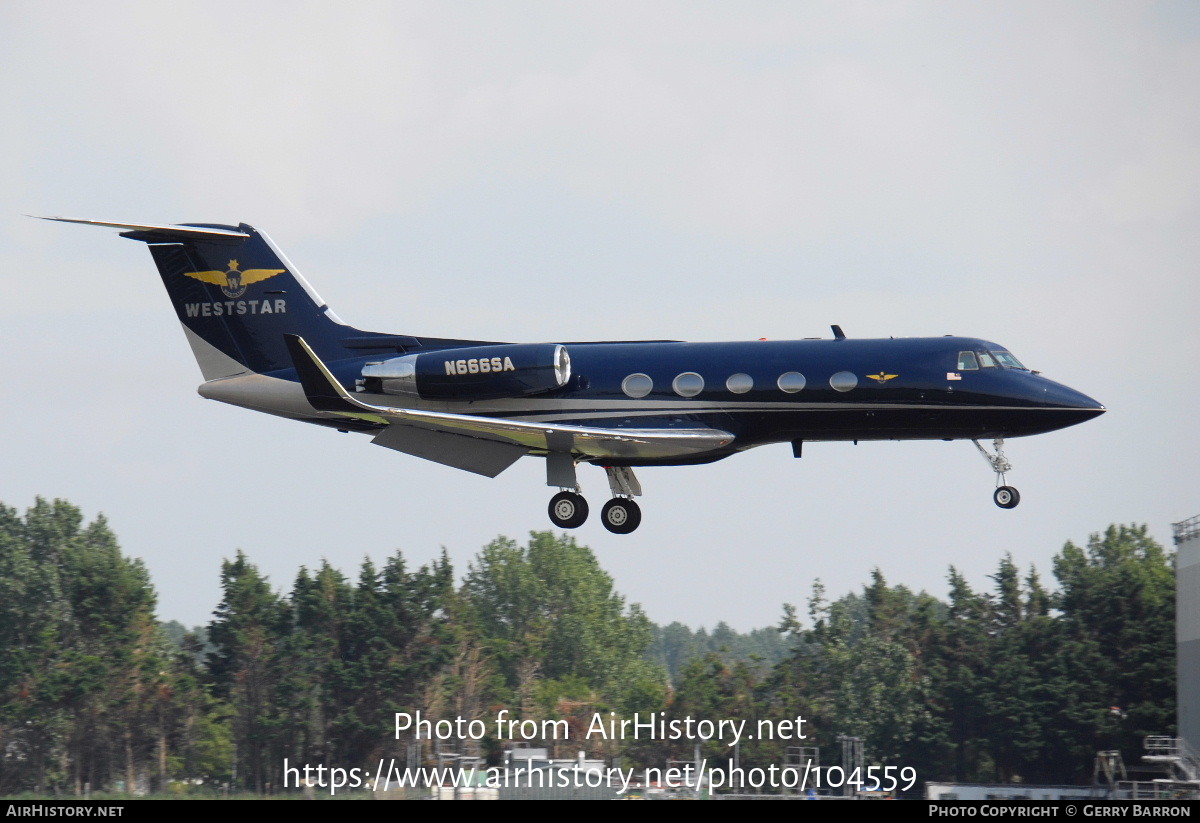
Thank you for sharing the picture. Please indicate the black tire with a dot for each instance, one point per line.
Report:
(621, 515)
(1007, 497)
(568, 510)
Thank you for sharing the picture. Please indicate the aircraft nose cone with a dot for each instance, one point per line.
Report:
(1064, 397)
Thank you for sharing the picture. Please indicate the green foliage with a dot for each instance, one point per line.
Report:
(1118, 608)
(90, 690)
(1011, 682)
(1017, 683)
(675, 645)
(547, 610)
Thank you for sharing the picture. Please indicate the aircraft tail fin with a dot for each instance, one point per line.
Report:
(236, 296)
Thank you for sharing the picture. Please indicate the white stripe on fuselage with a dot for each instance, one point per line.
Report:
(772, 408)
(286, 398)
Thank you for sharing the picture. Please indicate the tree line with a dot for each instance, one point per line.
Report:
(1014, 682)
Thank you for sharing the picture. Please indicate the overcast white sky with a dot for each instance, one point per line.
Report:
(1025, 172)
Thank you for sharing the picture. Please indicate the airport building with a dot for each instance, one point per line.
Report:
(1187, 628)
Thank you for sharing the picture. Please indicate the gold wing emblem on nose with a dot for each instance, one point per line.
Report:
(882, 378)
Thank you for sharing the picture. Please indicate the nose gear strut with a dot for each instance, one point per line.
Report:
(1006, 497)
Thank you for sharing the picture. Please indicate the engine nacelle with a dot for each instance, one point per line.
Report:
(475, 373)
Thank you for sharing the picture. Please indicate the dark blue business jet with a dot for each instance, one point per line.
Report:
(265, 340)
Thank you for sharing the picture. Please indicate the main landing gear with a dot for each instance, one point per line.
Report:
(569, 510)
(621, 515)
(1006, 497)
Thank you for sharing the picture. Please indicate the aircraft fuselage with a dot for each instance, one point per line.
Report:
(887, 389)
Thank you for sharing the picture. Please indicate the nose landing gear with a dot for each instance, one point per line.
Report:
(1006, 497)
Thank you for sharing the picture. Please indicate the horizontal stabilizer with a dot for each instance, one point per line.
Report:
(167, 233)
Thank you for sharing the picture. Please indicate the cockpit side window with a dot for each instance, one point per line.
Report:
(986, 360)
(967, 361)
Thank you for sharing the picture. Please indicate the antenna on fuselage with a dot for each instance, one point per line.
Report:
(838, 334)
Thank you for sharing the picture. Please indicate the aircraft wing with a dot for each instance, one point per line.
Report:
(488, 445)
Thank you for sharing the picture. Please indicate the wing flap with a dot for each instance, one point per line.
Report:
(326, 394)
(486, 457)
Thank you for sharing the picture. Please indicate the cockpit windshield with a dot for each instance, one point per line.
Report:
(975, 360)
(1007, 360)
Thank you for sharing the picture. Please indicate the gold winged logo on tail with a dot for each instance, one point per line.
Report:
(233, 282)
